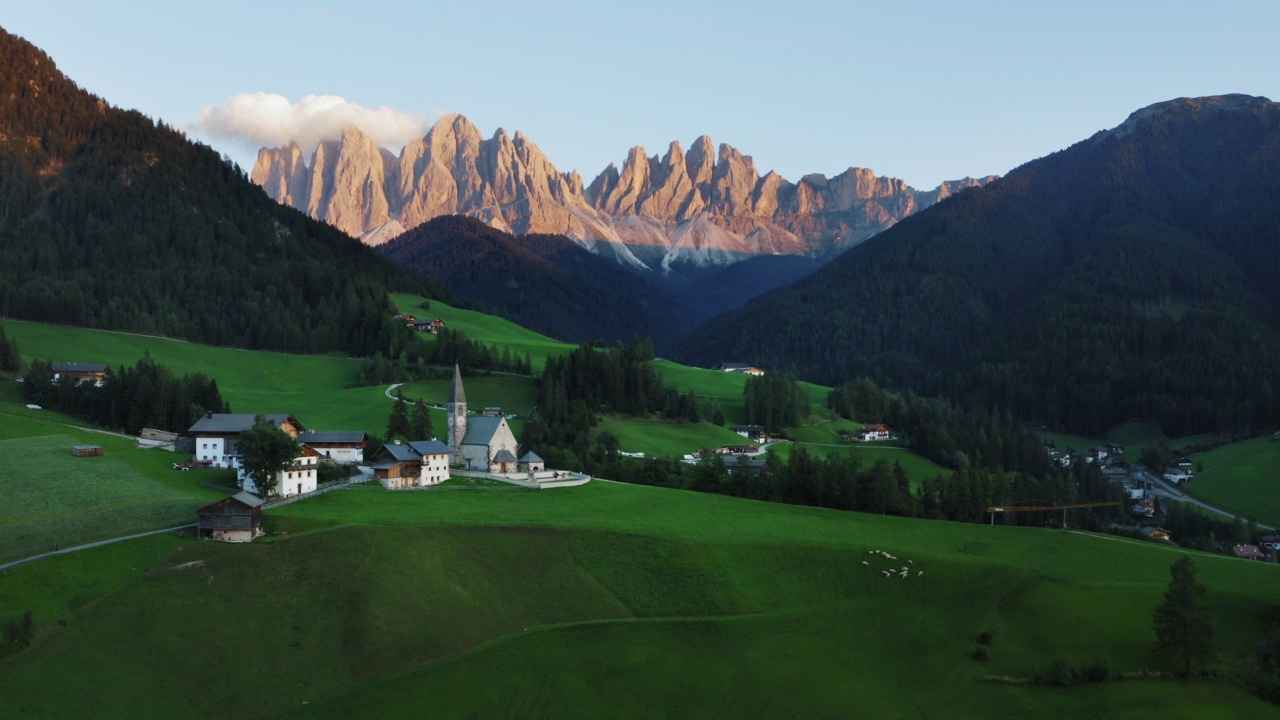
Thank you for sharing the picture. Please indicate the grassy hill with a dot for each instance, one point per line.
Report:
(54, 498)
(320, 390)
(1241, 477)
(611, 600)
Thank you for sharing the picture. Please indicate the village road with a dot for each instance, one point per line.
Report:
(1167, 491)
(86, 546)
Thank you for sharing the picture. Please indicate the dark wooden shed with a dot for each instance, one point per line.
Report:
(87, 450)
(235, 519)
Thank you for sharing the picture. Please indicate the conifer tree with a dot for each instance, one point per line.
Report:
(420, 425)
(1183, 625)
(398, 422)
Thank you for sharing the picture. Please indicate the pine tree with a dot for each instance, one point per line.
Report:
(398, 422)
(420, 425)
(1183, 625)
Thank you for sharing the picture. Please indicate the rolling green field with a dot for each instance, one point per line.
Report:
(611, 601)
(659, 438)
(1242, 478)
(487, 329)
(53, 498)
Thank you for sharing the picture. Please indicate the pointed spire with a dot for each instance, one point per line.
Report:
(457, 394)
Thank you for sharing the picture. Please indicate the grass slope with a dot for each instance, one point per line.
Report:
(611, 600)
(53, 498)
(487, 328)
(1241, 477)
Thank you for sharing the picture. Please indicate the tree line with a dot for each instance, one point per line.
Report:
(148, 395)
(578, 388)
(417, 358)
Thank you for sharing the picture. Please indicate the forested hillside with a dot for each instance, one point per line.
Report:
(111, 220)
(545, 282)
(1131, 275)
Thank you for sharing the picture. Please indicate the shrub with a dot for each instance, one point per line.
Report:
(986, 637)
(979, 653)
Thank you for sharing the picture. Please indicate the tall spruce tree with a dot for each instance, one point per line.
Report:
(398, 422)
(1183, 625)
(266, 451)
(420, 425)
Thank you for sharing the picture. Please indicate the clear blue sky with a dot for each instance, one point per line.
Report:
(924, 91)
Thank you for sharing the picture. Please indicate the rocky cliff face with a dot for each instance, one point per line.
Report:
(706, 206)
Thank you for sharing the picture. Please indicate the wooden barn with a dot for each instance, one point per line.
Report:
(87, 450)
(235, 519)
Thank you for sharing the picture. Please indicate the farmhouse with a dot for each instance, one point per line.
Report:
(1248, 552)
(419, 463)
(871, 433)
(481, 443)
(235, 519)
(754, 433)
(743, 368)
(1177, 475)
(1270, 542)
(339, 446)
(433, 326)
(81, 373)
(216, 435)
(1156, 533)
(297, 479)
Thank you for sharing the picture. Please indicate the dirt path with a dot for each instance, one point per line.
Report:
(86, 546)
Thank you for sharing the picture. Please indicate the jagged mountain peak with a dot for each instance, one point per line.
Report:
(708, 204)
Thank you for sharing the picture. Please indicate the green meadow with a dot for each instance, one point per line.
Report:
(486, 328)
(53, 498)
(1241, 477)
(611, 600)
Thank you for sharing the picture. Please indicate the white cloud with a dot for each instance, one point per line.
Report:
(252, 120)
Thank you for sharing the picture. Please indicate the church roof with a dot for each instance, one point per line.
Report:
(504, 455)
(531, 456)
(457, 394)
(480, 430)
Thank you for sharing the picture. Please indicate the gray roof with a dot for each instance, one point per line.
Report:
(234, 422)
(480, 430)
(531, 456)
(504, 455)
(333, 436)
(247, 498)
(457, 394)
(415, 450)
(429, 447)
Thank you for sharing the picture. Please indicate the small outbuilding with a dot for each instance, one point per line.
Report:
(532, 463)
(87, 450)
(236, 519)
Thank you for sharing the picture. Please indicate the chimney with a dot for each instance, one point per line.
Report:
(397, 441)
(209, 415)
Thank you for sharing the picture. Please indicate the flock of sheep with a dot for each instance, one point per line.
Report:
(902, 573)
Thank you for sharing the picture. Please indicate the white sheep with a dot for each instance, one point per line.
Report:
(864, 562)
(919, 573)
(913, 562)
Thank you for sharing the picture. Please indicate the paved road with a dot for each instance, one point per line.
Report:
(86, 546)
(1167, 491)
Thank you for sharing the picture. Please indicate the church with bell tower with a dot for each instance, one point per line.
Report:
(481, 443)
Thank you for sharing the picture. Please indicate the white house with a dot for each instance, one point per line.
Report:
(340, 446)
(216, 435)
(1177, 475)
(297, 479)
(871, 433)
(754, 433)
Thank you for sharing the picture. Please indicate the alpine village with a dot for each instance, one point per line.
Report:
(376, 427)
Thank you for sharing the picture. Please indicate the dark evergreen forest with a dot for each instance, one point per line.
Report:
(1131, 275)
(545, 282)
(111, 220)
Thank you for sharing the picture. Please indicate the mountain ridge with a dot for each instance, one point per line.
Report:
(1129, 275)
(706, 206)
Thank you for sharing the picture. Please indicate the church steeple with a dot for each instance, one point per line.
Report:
(457, 416)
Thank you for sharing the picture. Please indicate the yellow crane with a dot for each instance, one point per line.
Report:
(1030, 508)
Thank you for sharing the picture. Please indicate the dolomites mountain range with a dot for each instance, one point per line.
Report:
(704, 206)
